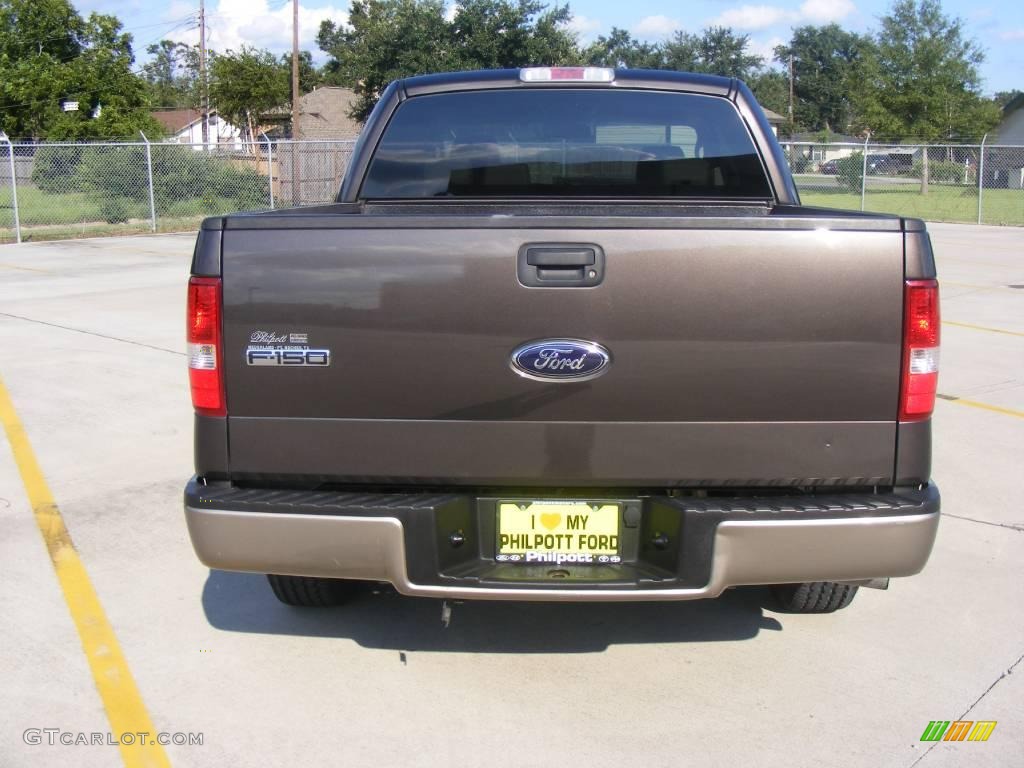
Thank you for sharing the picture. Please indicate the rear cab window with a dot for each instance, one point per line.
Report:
(534, 143)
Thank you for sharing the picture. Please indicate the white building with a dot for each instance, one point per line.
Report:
(185, 126)
(1011, 127)
(1004, 164)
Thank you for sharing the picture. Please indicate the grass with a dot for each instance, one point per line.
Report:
(47, 216)
(39, 208)
(999, 206)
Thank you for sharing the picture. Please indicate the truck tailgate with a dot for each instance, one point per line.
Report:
(740, 356)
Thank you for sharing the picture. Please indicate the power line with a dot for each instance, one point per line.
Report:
(147, 43)
(70, 33)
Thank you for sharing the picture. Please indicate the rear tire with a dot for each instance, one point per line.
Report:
(813, 596)
(311, 592)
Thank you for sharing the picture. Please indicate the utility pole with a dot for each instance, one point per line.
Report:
(792, 126)
(296, 178)
(204, 95)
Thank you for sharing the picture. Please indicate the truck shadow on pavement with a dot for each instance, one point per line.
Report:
(383, 619)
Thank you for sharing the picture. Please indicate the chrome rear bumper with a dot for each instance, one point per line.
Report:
(745, 550)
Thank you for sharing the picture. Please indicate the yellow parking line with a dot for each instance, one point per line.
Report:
(983, 406)
(982, 328)
(121, 699)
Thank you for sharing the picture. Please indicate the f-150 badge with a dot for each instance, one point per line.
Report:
(561, 360)
(287, 349)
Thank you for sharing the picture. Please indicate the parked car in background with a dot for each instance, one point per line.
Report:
(901, 162)
(877, 164)
(890, 163)
(829, 167)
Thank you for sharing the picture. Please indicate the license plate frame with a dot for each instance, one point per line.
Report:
(587, 531)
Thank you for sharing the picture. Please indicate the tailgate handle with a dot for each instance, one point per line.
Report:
(560, 257)
(560, 265)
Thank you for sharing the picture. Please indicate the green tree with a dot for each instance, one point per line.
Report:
(824, 62)
(246, 84)
(390, 39)
(620, 49)
(772, 91)
(173, 74)
(922, 81)
(492, 34)
(383, 41)
(715, 51)
(49, 56)
(310, 76)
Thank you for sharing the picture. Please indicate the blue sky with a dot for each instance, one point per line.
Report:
(997, 25)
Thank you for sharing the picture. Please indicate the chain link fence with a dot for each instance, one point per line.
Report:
(53, 190)
(50, 191)
(982, 184)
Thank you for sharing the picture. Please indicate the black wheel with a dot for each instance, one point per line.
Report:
(309, 591)
(813, 596)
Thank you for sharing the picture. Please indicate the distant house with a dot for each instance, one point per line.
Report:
(1011, 127)
(323, 116)
(820, 137)
(807, 151)
(185, 126)
(1004, 165)
(774, 120)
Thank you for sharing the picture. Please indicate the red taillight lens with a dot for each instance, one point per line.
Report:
(920, 349)
(205, 359)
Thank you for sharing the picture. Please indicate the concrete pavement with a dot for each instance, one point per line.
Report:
(94, 364)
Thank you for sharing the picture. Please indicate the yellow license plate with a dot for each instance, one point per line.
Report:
(558, 532)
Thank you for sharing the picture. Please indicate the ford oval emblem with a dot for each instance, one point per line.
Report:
(561, 360)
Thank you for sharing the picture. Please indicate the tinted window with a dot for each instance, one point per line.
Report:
(576, 143)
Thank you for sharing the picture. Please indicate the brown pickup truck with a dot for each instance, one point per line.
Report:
(566, 334)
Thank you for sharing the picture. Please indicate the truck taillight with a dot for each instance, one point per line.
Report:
(920, 349)
(205, 348)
